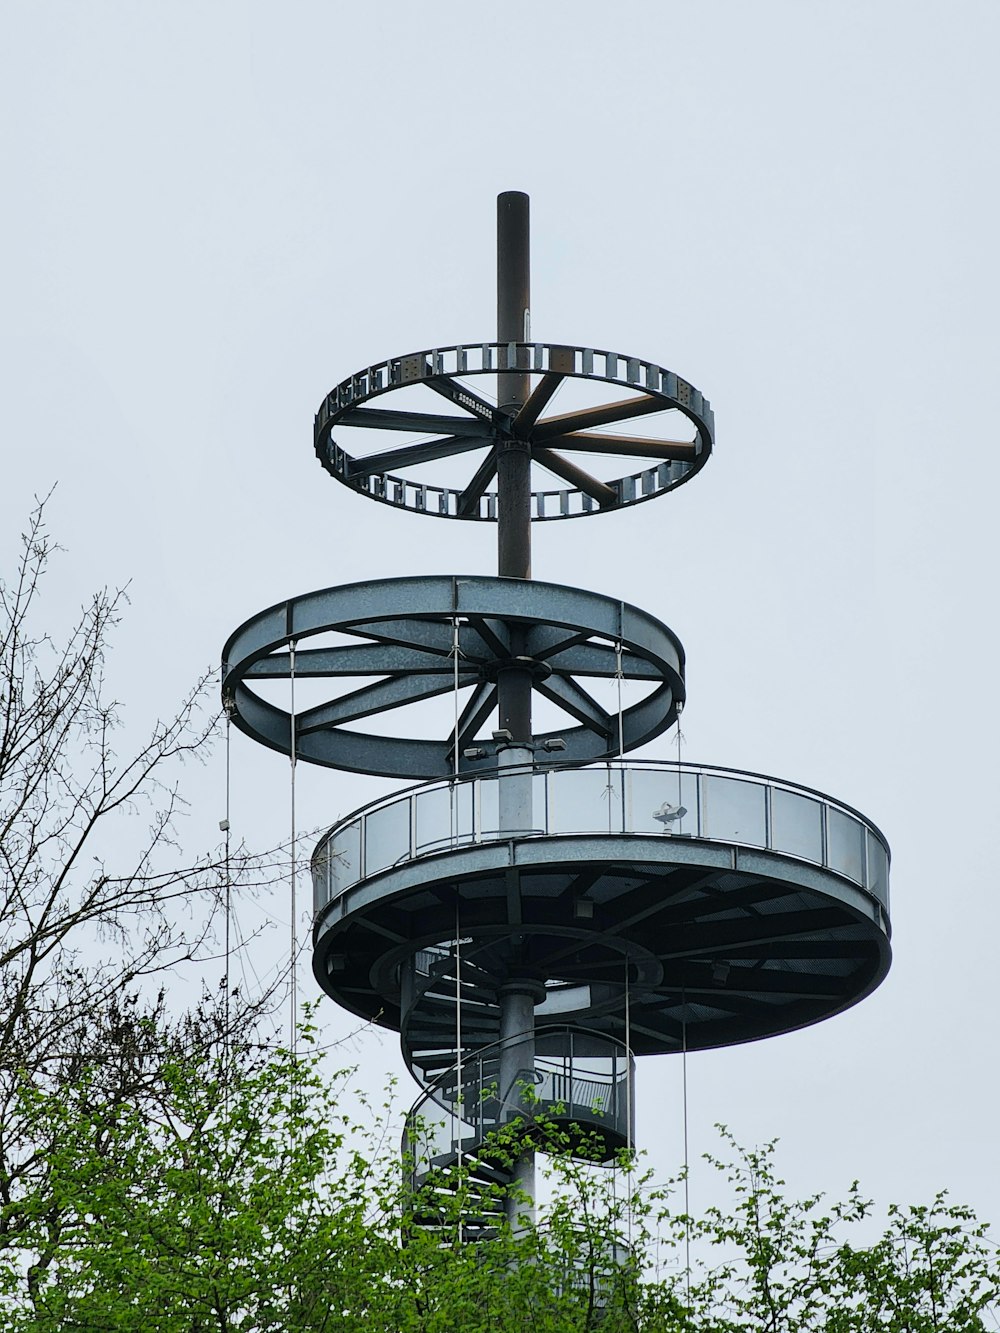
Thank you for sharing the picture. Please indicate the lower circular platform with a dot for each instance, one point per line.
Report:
(722, 942)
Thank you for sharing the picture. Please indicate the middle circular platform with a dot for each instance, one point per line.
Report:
(425, 636)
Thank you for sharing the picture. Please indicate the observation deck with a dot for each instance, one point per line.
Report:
(737, 905)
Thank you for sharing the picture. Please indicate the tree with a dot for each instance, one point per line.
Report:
(790, 1265)
(248, 1200)
(90, 886)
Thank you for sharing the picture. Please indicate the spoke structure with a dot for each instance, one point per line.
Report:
(490, 443)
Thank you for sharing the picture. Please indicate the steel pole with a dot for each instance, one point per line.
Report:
(513, 454)
(517, 1067)
(517, 999)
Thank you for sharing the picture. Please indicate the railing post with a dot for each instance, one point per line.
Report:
(825, 828)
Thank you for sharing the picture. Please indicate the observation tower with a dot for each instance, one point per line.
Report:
(537, 910)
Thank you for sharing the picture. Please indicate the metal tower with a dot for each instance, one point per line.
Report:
(538, 910)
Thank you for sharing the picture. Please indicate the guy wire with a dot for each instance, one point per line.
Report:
(619, 676)
(457, 1120)
(621, 721)
(454, 650)
(293, 943)
(628, 1091)
(687, 1177)
(228, 909)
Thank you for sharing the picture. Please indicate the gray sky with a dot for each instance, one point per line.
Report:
(214, 212)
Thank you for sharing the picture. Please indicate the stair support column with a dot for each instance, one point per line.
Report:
(517, 1068)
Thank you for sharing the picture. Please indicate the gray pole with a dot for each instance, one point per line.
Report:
(517, 1001)
(513, 455)
(517, 1063)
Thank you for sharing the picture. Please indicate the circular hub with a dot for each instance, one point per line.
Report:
(601, 468)
(422, 637)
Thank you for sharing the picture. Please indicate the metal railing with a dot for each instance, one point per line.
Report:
(643, 797)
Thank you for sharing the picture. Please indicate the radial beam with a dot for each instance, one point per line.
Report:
(423, 423)
(605, 495)
(637, 446)
(395, 692)
(459, 395)
(539, 399)
(407, 455)
(473, 493)
(602, 415)
(362, 659)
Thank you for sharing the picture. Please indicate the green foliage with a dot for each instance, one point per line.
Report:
(201, 1201)
(791, 1265)
(232, 1192)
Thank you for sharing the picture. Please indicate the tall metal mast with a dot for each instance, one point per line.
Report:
(514, 450)
(517, 996)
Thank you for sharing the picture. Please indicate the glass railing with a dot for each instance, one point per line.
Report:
(661, 800)
(555, 1074)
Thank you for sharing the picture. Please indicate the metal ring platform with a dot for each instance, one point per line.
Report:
(479, 428)
(405, 633)
(726, 944)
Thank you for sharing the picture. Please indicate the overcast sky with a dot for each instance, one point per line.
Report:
(214, 212)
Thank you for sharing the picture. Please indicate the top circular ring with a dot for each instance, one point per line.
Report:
(480, 427)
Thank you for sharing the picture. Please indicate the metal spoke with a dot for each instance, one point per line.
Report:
(577, 886)
(376, 698)
(799, 950)
(577, 702)
(602, 415)
(473, 493)
(599, 659)
(718, 1000)
(767, 981)
(475, 712)
(679, 451)
(495, 634)
(537, 402)
(669, 1027)
(650, 899)
(421, 423)
(363, 659)
(716, 936)
(600, 491)
(462, 397)
(545, 641)
(749, 898)
(434, 635)
(408, 455)
(708, 904)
